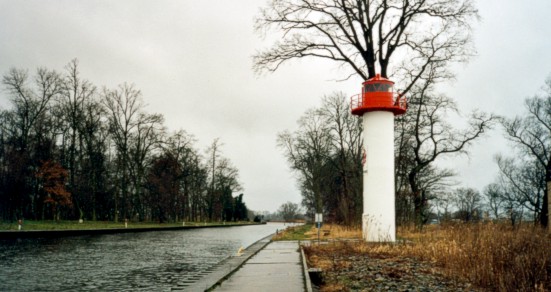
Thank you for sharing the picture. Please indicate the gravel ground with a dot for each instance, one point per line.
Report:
(345, 271)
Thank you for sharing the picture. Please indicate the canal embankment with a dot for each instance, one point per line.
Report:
(14, 234)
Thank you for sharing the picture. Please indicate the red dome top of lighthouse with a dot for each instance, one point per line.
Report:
(378, 95)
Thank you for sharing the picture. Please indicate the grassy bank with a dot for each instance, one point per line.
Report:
(310, 232)
(293, 233)
(75, 225)
(487, 256)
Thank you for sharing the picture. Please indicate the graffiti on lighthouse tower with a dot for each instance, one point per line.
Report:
(377, 105)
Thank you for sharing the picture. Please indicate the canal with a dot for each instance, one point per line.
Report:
(149, 261)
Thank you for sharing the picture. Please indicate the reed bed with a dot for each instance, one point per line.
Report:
(494, 256)
(490, 256)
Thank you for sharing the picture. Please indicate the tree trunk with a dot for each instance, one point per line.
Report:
(418, 201)
(116, 219)
(544, 216)
(546, 206)
(384, 66)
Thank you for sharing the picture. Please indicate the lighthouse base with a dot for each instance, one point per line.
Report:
(374, 230)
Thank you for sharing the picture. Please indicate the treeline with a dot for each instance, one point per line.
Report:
(70, 150)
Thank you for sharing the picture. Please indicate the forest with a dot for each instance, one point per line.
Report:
(72, 150)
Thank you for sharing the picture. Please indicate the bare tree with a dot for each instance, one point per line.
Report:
(95, 134)
(523, 182)
(146, 138)
(213, 153)
(77, 92)
(123, 106)
(345, 132)
(443, 202)
(532, 135)
(368, 36)
(288, 211)
(495, 199)
(227, 183)
(325, 153)
(180, 144)
(195, 186)
(425, 135)
(307, 151)
(163, 182)
(224, 180)
(31, 102)
(468, 202)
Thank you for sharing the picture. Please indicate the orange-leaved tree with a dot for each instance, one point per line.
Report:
(52, 177)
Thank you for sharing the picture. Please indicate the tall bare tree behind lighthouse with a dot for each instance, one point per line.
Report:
(405, 39)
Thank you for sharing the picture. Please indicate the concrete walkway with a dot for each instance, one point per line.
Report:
(277, 267)
(225, 268)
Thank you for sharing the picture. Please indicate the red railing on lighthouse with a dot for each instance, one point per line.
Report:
(378, 95)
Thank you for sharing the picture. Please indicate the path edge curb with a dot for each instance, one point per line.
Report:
(251, 250)
(307, 281)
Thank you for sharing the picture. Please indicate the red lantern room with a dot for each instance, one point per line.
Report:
(378, 95)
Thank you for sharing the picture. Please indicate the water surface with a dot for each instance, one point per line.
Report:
(159, 260)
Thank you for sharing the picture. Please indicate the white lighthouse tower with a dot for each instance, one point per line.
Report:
(378, 104)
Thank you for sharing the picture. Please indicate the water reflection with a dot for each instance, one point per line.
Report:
(147, 261)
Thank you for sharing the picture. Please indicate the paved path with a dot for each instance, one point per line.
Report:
(277, 267)
(221, 271)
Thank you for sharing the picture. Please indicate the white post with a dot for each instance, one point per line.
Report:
(378, 220)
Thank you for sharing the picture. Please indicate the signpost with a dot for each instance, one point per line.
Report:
(319, 221)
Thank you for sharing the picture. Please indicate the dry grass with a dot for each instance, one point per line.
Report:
(310, 232)
(490, 256)
(334, 231)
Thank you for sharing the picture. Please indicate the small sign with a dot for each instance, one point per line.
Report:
(319, 217)
(319, 220)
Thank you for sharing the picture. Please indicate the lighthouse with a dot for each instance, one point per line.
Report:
(378, 104)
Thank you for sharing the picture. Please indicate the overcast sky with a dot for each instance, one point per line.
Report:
(192, 62)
